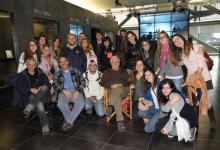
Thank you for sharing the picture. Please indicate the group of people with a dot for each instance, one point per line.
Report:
(80, 71)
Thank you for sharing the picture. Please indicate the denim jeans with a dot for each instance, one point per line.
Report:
(37, 100)
(178, 83)
(153, 116)
(99, 106)
(63, 104)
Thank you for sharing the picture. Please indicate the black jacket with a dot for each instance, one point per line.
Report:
(132, 55)
(22, 86)
(76, 56)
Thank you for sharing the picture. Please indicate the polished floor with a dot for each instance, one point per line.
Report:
(91, 132)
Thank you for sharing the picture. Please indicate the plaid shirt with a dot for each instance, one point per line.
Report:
(77, 78)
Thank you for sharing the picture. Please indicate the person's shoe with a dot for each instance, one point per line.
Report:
(121, 126)
(109, 111)
(45, 130)
(27, 111)
(193, 134)
(66, 126)
(170, 136)
(89, 111)
(212, 119)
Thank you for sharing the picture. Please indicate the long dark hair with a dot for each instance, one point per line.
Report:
(128, 43)
(162, 98)
(147, 41)
(148, 84)
(187, 45)
(27, 52)
(175, 54)
(133, 75)
(107, 38)
(54, 39)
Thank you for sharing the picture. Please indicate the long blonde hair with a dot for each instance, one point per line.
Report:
(89, 47)
(158, 41)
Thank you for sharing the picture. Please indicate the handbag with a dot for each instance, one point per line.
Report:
(182, 126)
(143, 105)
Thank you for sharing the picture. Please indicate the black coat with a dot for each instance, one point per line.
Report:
(132, 55)
(105, 56)
(22, 86)
(76, 56)
(148, 59)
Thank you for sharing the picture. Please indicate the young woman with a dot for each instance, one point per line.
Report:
(152, 114)
(193, 59)
(163, 51)
(132, 51)
(42, 41)
(56, 47)
(31, 51)
(171, 99)
(138, 83)
(147, 54)
(106, 53)
(172, 69)
(88, 49)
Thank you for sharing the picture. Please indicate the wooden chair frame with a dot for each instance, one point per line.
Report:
(127, 112)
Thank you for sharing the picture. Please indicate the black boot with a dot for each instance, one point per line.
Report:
(212, 119)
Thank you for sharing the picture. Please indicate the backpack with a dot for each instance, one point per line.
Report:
(209, 61)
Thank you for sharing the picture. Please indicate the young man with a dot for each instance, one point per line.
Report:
(70, 83)
(93, 91)
(75, 54)
(97, 45)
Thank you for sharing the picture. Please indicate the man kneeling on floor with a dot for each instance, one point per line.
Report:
(93, 91)
(33, 85)
(70, 84)
(116, 80)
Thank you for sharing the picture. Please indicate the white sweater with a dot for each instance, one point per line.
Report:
(22, 64)
(92, 86)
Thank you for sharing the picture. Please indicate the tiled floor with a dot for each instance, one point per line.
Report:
(94, 133)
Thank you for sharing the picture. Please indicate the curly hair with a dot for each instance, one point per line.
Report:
(187, 45)
(28, 53)
(89, 47)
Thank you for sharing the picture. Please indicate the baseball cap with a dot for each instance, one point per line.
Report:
(93, 60)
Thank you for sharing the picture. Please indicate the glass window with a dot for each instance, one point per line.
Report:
(76, 29)
(6, 38)
(172, 22)
(46, 27)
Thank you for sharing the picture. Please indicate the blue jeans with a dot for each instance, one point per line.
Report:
(63, 104)
(153, 116)
(99, 106)
(178, 83)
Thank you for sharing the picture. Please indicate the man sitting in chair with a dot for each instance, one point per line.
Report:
(33, 86)
(93, 91)
(116, 80)
(70, 83)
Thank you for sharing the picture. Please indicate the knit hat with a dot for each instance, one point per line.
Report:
(93, 60)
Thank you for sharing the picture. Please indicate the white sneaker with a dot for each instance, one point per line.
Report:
(170, 136)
